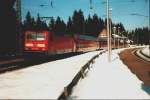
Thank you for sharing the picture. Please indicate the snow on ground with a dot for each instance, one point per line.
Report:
(45, 81)
(146, 51)
(109, 81)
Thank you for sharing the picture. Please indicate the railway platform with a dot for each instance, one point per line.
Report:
(112, 80)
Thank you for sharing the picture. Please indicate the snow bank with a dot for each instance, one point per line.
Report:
(146, 51)
(45, 81)
(109, 81)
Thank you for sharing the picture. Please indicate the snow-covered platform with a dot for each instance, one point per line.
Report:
(45, 81)
(110, 81)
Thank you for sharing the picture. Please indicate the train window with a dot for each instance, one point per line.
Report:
(31, 36)
(36, 36)
(40, 36)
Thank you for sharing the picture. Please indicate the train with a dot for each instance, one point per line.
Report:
(48, 43)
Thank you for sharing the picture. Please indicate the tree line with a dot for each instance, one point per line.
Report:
(30, 23)
(77, 24)
(140, 36)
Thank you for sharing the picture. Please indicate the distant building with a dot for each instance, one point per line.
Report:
(103, 36)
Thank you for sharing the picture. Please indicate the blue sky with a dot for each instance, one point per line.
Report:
(121, 10)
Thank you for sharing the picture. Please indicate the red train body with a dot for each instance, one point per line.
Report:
(86, 43)
(59, 45)
(46, 42)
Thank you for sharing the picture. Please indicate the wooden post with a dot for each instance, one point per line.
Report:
(65, 92)
(82, 73)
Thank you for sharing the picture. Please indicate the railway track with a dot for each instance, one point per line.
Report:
(28, 61)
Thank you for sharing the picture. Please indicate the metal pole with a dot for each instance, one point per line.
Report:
(149, 24)
(91, 6)
(114, 29)
(123, 40)
(108, 35)
(118, 36)
(110, 13)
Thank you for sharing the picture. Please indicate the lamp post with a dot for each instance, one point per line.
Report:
(110, 13)
(108, 33)
(149, 24)
(114, 31)
(123, 37)
(118, 35)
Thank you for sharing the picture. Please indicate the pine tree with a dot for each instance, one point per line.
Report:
(60, 27)
(38, 23)
(70, 26)
(89, 25)
(52, 25)
(78, 22)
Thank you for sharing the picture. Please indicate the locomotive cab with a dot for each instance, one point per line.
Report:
(36, 41)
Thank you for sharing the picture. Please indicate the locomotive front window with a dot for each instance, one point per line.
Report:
(40, 36)
(31, 36)
(36, 36)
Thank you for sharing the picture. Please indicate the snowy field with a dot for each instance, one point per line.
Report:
(45, 81)
(109, 81)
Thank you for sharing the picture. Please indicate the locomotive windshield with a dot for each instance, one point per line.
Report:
(31, 36)
(36, 36)
(40, 36)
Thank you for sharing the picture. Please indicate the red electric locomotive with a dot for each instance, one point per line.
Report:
(46, 42)
(36, 41)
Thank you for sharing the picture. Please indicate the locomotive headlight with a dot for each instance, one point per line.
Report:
(40, 45)
(28, 44)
